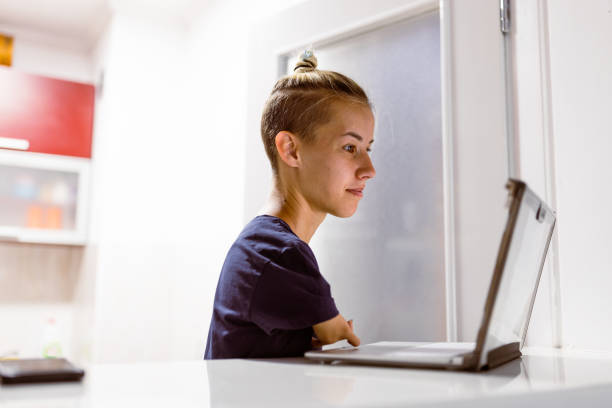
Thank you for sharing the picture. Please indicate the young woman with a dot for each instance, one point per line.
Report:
(271, 300)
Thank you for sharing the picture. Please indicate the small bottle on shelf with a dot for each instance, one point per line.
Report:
(52, 347)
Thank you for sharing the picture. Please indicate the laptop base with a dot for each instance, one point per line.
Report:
(450, 356)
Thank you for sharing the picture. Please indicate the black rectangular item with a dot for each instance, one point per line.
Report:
(38, 370)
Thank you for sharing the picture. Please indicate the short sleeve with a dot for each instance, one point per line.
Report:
(291, 294)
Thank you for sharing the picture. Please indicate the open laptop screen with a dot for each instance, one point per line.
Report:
(526, 241)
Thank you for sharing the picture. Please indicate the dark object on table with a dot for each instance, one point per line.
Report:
(38, 370)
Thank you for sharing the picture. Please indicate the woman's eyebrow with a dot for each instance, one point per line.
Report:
(356, 136)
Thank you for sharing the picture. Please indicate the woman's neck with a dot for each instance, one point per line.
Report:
(290, 206)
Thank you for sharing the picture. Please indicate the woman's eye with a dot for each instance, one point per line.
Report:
(350, 148)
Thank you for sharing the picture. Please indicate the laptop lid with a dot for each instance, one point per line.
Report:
(517, 272)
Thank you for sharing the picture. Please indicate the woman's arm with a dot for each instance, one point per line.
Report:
(336, 329)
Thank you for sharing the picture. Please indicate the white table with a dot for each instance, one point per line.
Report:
(542, 378)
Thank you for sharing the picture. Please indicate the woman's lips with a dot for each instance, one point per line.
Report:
(356, 191)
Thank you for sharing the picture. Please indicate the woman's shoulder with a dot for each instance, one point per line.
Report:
(272, 238)
(270, 229)
(261, 242)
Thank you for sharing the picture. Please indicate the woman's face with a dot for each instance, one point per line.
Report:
(336, 165)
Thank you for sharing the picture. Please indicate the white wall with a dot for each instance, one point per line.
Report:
(581, 88)
(152, 209)
(535, 165)
(168, 177)
(50, 55)
(564, 100)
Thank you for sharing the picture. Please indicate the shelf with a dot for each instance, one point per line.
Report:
(45, 198)
(42, 236)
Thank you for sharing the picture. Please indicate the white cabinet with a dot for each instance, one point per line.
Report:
(44, 198)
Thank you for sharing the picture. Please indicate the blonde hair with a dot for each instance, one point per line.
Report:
(301, 101)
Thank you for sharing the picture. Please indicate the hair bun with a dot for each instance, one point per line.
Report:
(307, 62)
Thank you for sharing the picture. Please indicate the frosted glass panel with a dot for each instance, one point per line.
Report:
(37, 198)
(385, 264)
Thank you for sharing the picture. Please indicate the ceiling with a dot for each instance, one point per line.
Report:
(82, 21)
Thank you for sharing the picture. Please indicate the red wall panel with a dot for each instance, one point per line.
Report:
(55, 116)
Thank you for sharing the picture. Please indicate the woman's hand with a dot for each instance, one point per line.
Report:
(316, 343)
(335, 329)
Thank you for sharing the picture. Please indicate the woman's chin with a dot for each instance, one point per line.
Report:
(344, 212)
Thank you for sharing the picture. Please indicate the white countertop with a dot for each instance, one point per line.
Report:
(542, 378)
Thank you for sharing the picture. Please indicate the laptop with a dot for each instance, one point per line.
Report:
(508, 306)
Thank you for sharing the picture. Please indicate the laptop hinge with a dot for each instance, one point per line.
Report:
(502, 354)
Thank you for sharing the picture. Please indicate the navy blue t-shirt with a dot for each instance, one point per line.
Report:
(270, 294)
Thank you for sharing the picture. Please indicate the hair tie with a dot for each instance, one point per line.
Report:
(306, 61)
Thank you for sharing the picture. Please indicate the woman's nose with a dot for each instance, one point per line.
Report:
(366, 170)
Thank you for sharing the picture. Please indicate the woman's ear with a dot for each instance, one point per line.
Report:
(287, 148)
